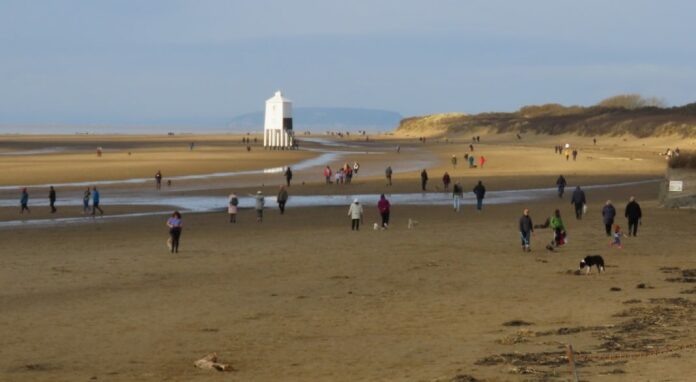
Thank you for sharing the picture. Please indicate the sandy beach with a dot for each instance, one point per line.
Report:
(302, 297)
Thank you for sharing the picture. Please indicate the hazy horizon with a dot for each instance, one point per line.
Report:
(201, 63)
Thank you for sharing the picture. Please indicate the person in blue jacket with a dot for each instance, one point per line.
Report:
(96, 201)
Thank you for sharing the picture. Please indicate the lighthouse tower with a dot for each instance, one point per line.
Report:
(277, 129)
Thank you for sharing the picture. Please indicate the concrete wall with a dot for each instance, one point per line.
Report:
(687, 197)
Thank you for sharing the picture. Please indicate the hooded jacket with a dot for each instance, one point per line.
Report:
(355, 211)
(383, 205)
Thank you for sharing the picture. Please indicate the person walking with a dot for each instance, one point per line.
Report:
(356, 167)
(575, 154)
(52, 199)
(566, 152)
(633, 214)
(24, 201)
(472, 161)
(424, 179)
(446, 180)
(388, 174)
(174, 223)
(559, 230)
(327, 174)
(288, 175)
(578, 201)
(85, 201)
(96, 199)
(457, 195)
(282, 198)
(355, 211)
(561, 183)
(526, 230)
(482, 161)
(454, 161)
(383, 206)
(232, 207)
(260, 204)
(158, 180)
(480, 192)
(608, 215)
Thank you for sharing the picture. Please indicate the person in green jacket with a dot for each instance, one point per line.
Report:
(555, 222)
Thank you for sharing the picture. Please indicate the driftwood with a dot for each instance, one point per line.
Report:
(210, 362)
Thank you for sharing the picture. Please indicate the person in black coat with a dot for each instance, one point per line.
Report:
(578, 200)
(608, 215)
(52, 199)
(424, 179)
(633, 214)
(288, 176)
(480, 192)
(561, 183)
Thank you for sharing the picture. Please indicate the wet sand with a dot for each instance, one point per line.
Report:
(301, 297)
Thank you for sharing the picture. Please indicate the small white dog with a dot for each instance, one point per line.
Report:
(412, 223)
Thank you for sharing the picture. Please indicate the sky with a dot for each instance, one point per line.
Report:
(202, 62)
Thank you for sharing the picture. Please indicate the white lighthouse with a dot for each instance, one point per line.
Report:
(277, 128)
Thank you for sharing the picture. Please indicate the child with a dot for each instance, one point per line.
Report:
(617, 237)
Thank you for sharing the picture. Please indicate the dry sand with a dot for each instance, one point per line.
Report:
(301, 297)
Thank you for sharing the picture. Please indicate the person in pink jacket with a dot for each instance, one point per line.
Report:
(383, 206)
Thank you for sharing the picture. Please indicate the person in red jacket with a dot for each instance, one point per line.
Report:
(327, 174)
(383, 207)
(482, 161)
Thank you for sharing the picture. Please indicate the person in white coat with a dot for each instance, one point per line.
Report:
(356, 213)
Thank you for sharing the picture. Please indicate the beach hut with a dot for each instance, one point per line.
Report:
(277, 128)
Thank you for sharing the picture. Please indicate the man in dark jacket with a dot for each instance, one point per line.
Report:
(480, 192)
(424, 179)
(288, 175)
(608, 215)
(561, 183)
(633, 214)
(52, 199)
(526, 230)
(578, 200)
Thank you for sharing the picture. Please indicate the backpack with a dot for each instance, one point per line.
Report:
(234, 202)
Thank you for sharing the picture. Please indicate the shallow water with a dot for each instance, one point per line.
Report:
(48, 150)
(326, 156)
(198, 204)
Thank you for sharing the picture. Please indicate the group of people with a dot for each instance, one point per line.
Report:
(671, 153)
(633, 214)
(356, 212)
(344, 175)
(89, 194)
(566, 151)
(470, 159)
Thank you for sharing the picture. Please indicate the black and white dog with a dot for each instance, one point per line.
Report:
(589, 261)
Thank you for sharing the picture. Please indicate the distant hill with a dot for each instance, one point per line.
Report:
(642, 121)
(321, 119)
